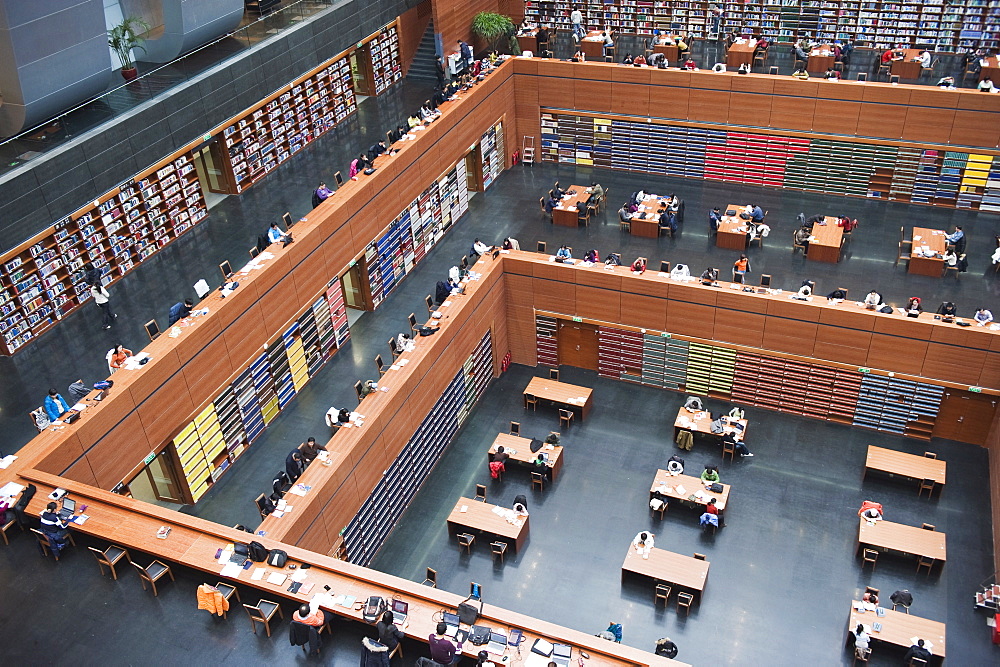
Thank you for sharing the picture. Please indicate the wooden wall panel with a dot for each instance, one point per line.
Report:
(989, 375)
(740, 328)
(628, 98)
(974, 128)
(881, 120)
(898, 354)
(453, 20)
(708, 105)
(952, 364)
(114, 456)
(207, 368)
(793, 113)
(591, 95)
(410, 28)
(790, 336)
(691, 319)
(667, 102)
(928, 124)
(82, 472)
(644, 311)
(750, 109)
(598, 304)
(61, 458)
(836, 117)
(834, 344)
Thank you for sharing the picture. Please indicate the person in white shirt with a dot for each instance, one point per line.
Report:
(643, 543)
(480, 248)
(576, 18)
(983, 317)
(102, 298)
(873, 300)
(861, 636)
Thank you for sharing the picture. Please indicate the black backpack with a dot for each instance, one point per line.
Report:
(277, 558)
(258, 552)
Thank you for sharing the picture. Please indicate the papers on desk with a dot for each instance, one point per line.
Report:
(300, 489)
(6, 461)
(345, 600)
(446, 303)
(463, 509)
(680, 490)
(231, 570)
(80, 519)
(258, 573)
(278, 578)
(300, 575)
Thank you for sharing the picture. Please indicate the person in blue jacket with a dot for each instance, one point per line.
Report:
(55, 405)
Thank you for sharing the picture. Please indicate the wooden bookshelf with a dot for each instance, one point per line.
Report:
(386, 66)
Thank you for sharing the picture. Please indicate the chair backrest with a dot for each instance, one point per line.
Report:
(254, 251)
(42, 538)
(253, 612)
(664, 267)
(261, 505)
(379, 363)
(100, 556)
(765, 280)
(152, 329)
(141, 570)
(39, 418)
(286, 218)
(357, 390)
(429, 300)
(540, 246)
(393, 347)
(337, 177)
(412, 319)
(862, 77)
(432, 575)
(930, 455)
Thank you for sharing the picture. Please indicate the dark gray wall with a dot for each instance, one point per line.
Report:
(42, 191)
(53, 55)
(188, 24)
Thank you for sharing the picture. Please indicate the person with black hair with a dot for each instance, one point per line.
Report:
(388, 634)
(310, 449)
(443, 651)
(917, 651)
(643, 543)
(294, 464)
(180, 310)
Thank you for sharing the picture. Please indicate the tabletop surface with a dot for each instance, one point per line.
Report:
(900, 628)
(666, 484)
(481, 515)
(522, 448)
(829, 234)
(910, 465)
(560, 392)
(701, 422)
(900, 537)
(683, 571)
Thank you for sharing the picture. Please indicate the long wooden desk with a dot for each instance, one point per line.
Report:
(669, 51)
(899, 629)
(593, 45)
(701, 422)
(480, 517)
(680, 571)
(905, 465)
(564, 394)
(906, 67)
(821, 59)
(740, 53)
(666, 484)
(193, 543)
(826, 241)
(922, 265)
(732, 232)
(900, 538)
(648, 227)
(519, 449)
(567, 212)
(991, 70)
(527, 40)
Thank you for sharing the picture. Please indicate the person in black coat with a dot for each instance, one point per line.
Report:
(388, 634)
(294, 464)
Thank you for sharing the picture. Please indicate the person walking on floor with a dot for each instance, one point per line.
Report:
(102, 299)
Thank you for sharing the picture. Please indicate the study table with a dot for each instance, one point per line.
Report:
(480, 517)
(899, 628)
(669, 50)
(903, 539)
(563, 394)
(592, 45)
(821, 59)
(934, 241)
(519, 449)
(906, 67)
(826, 241)
(905, 465)
(732, 232)
(666, 484)
(740, 53)
(648, 227)
(567, 213)
(528, 39)
(700, 421)
(685, 572)
(991, 70)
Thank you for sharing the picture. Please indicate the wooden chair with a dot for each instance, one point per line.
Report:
(905, 248)
(480, 493)
(583, 216)
(869, 556)
(554, 374)
(39, 419)
(152, 330)
(928, 526)
(917, 662)
(663, 510)
(412, 319)
(540, 247)
(797, 246)
(926, 485)
(263, 612)
(7, 526)
(228, 592)
(532, 401)
(929, 71)
(861, 655)
(515, 428)
(541, 206)
(862, 77)
(906, 607)
(382, 368)
(930, 455)
(728, 448)
(761, 55)
(773, 70)
(152, 573)
(537, 479)
(925, 562)
(882, 69)
(952, 269)
(357, 390)
(431, 579)
(254, 252)
(498, 549)
(259, 502)
(894, 78)
(625, 225)
(394, 349)
(684, 600)
(465, 540)
(46, 546)
(429, 300)
(872, 591)
(661, 592)
(664, 267)
(699, 556)
(565, 418)
(110, 557)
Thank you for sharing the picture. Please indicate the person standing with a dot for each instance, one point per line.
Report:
(439, 70)
(466, 51)
(92, 274)
(102, 299)
(740, 268)
(576, 18)
(294, 465)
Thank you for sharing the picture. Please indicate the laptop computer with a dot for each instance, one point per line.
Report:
(399, 611)
(498, 643)
(241, 553)
(450, 620)
(68, 508)
(561, 653)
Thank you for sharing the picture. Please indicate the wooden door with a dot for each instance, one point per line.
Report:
(577, 344)
(965, 416)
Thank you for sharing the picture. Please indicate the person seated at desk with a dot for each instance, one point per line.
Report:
(955, 236)
(983, 317)
(119, 355)
(442, 290)
(479, 248)
(802, 236)
(388, 634)
(709, 276)
(592, 256)
(924, 58)
(800, 74)
(682, 47)
(800, 53)
(946, 82)
(913, 305)
(627, 60)
(310, 449)
(294, 464)
(520, 505)
(181, 309)
(739, 445)
(542, 465)
(917, 651)
(689, 64)
(78, 391)
(667, 218)
(563, 253)
(873, 300)
(579, 57)
(756, 214)
(675, 465)
(986, 86)
(643, 543)
(323, 192)
(832, 74)
(54, 528)
(710, 475)
(870, 511)
(376, 149)
(657, 60)
(711, 507)
(847, 224)
(556, 191)
(501, 454)
(639, 265)
(862, 637)
(639, 60)
(608, 42)
(666, 648)
(335, 417)
(274, 235)
(836, 295)
(55, 405)
(761, 45)
(741, 267)
(443, 651)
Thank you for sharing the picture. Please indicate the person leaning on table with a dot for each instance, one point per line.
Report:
(983, 317)
(443, 651)
(643, 542)
(710, 474)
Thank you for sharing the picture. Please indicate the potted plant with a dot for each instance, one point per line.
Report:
(123, 38)
(493, 29)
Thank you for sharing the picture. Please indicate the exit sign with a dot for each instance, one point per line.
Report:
(864, 370)
(149, 458)
(578, 319)
(665, 335)
(976, 390)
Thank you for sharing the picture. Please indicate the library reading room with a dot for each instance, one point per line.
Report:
(504, 333)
